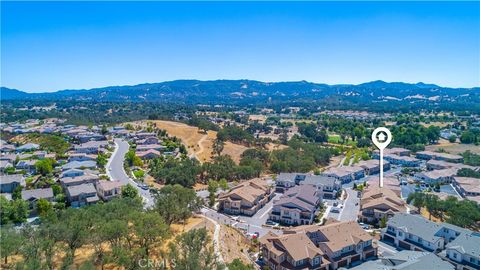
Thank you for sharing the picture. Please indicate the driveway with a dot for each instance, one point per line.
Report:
(262, 215)
(240, 224)
(351, 206)
(116, 171)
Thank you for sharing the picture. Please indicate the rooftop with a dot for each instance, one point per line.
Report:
(407, 260)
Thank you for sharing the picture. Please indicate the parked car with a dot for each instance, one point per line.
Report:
(271, 222)
(335, 210)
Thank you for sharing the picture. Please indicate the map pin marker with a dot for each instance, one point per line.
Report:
(381, 137)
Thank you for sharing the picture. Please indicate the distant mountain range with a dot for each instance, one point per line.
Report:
(254, 92)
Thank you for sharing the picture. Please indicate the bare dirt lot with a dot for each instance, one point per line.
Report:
(234, 245)
(453, 148)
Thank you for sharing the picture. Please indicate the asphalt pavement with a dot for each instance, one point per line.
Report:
(116, 171)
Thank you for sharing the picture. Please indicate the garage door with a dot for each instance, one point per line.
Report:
(355, 258)
(342, 263)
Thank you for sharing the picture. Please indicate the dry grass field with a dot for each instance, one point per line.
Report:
(198, 143)
(453, 148)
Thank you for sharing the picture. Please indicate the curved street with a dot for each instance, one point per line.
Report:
(116, 171)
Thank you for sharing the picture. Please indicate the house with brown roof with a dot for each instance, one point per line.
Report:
(377, 203)
(467, 187)
(428, 155)
(148, 154)
(297, 206)
(292, 251)
(246, 198)
(108, 190)
(342, 243)
(372, 166)
(437, 176)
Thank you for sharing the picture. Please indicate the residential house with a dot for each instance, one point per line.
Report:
(108, 190)
(392, 151)
(285, 181)
(27, 165)
(8, 183)
(343, 243)
(81, 195)
(146, 147)
(464, 251)
(246, 198)
(377, 203)
(292, 251)
(6, 148)
(372, 166)
(434, 164)
(467, 187)
(91, 147)
(28, 147)
(436, 176)
(344, 176)
(402, 160)
(144, 135)
(5, 164)
(9, 157)
(428, 155)
(72, 173)
(148, 140)
(33, 195)
(90, 136)
(328, 186)
(297, 206)
(82, 157)
(89, 164)
(391, 183)
(75, 180)
(148, 154)
(414, 232)
(406, 260)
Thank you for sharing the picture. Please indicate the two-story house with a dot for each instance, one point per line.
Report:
(246, 198)
(108, 190)
(377, 203)
(414, 232)
(297, 206)
(81, 195)
(292, 251)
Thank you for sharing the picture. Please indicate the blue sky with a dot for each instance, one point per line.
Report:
(47, 46)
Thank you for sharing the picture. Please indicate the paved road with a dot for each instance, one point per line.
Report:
(117, 172)
(224, 219)
(351, 206)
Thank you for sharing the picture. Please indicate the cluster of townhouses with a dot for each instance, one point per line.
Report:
(363, 168)
(398, 156)
(451, 243)
(330, 246)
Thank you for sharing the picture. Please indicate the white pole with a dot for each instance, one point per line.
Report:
(381, 168)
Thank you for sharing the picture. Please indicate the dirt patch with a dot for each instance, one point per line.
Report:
(149, 180)
(453, 148)
(234, 150)
(425, 214)
(234, 245)
(257, 117)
